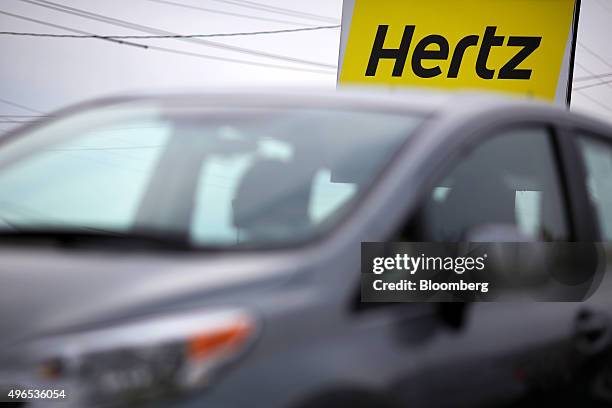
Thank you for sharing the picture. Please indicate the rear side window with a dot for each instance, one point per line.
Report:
(597, 156)
(510, 179)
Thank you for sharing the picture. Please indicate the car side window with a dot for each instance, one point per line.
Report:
(597, 156)
(510, 179)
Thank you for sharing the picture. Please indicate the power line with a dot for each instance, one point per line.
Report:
(33, 20)
(595, 101)
(259, 64)
(174, 51)
(588, 71)
(145, 37)
(277, 10)
(20, 106)
(228, 13)
(609, 83)
(24, 116)
(594, 76)
(601, 82)
(595, 55)
(604, 6)
(156, 31)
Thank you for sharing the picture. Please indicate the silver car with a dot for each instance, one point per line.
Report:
(204, 251)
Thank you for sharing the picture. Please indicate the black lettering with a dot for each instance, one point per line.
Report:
(529, 44)
(421, 53)
(399, 55)
(489, 40)
(462, 45)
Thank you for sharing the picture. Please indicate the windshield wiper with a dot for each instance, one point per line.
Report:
(96, 238)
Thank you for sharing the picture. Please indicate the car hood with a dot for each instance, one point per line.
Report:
(47, 291)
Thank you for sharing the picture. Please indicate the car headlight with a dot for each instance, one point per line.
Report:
(150, 358)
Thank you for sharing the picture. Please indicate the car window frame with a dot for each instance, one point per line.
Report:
(579, 228)
(563, 151)
(586, 214)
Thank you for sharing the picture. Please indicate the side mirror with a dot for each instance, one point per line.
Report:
(553, 271)
(508, 257)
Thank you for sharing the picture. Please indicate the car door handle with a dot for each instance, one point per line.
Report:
(592, 331)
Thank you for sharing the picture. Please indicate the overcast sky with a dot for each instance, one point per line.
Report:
(44, 74)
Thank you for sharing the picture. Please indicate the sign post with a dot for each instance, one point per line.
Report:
(523, 47)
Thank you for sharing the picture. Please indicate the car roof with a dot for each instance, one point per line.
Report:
(425, 101)
(446, 106)
(407, 99)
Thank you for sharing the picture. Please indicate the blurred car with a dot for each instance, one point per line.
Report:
(205, 250)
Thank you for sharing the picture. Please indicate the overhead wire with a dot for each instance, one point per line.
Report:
(17, 105)
(74, 30)
(277, 10)
(594, 76)
(171, 50)
(147, 37)
(588, 71)
(152, 30)
(594, 54)
(23, 116)
(604, 6)
(15, 121)
(580, 88)
(599, 78)
(595, 101)
(229, 13)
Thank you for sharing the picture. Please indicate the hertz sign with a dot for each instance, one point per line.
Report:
(518, 46)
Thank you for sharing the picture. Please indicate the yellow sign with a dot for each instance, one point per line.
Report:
(516, 46)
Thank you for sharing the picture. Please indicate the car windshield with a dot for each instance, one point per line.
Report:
(210, 175)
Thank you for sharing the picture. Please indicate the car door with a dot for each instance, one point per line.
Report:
(503, 352)
(594, 153)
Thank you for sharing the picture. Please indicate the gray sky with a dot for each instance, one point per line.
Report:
(47, 73)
